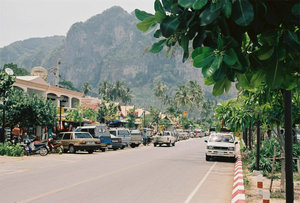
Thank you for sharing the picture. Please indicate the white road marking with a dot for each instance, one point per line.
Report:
(190, 197)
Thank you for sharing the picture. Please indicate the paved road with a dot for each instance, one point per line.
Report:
(141, 175)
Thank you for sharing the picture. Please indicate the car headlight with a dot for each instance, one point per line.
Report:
(231, 148)
(210, 147)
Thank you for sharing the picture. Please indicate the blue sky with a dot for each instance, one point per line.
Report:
(23, 19)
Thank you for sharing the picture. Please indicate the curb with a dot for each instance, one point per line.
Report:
(238, 190)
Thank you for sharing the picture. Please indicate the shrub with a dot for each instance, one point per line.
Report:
(11, 150)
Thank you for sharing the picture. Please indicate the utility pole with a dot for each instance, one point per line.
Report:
(288, 146)
(57, 74)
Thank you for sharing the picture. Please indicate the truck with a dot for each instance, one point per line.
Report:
(164, 137)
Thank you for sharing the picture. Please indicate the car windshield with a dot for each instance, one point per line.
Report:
(221, 138)
(124, 132)
(82, 135)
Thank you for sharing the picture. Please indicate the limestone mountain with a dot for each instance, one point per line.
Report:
(107, 46)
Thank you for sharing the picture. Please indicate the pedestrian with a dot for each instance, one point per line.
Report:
(16, 134)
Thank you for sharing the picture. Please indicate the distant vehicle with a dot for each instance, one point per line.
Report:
(136, 138)
(79, 141)
(165, 137)
(220, 145)
(183, 135)
(122, 133)
(199, 132)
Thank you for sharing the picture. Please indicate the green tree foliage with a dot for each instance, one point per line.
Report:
(115, 92)
(68, 85)
(30, 111)
(131, 116)
(185, 122)
(75, 115)
(17, 71)
(107, 111)
(86, 88)
(248, 42)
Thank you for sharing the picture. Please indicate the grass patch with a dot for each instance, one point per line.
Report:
(277, 195)
(296, 177)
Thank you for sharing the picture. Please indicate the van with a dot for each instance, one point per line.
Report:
(122, 133)
(97, 131)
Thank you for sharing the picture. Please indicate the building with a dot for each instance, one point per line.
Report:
(60, 96)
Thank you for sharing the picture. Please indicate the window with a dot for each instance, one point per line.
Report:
(59, 137)
(113, 132)
(82, 135)
(67, 136)
(124, 133)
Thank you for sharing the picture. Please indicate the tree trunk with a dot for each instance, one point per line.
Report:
(245, 137)
(250, 137)
(282, 182)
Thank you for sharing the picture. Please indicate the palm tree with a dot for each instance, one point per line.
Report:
(105, 89)
(126, 95)
(182, 97)
(118, 89)
(86, 88)
(160, 92)
(195, 92)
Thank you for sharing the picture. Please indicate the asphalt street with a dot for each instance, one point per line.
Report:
(140, 175)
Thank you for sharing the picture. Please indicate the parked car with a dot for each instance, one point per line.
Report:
(136, 138)
(165, 137)
(220, 145)
(122, 133)
(116, 143)
(79, 141)
(98, 131)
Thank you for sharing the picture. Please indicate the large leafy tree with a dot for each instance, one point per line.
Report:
(6, 82)
(30, 111)
(243, 41)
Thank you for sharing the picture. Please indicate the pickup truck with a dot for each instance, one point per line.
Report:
(165, 137)
(136, 138)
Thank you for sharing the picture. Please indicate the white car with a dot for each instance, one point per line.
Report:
(221, 145)
(165, 137)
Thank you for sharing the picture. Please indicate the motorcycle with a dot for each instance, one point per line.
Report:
(32, 147)
(54, 147)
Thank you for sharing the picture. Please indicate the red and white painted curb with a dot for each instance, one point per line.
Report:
(238, 191)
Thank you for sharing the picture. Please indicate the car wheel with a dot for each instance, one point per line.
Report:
(90, 151)
(154, 144)
(43, 151)
(169, 144)
(160, 145)
(122, 147)
(233, 159)
(103, 149)
(132, 145)
(72, 149)
(208, 158)
(114, 149)
(173, 144)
